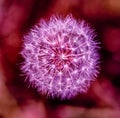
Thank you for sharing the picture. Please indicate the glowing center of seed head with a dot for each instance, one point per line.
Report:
(63, 56)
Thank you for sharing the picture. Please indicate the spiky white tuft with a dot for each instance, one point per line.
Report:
(61, 57)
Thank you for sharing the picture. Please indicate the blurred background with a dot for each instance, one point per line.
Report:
(18, 99)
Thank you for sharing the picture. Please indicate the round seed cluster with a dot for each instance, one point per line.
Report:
(61, 57)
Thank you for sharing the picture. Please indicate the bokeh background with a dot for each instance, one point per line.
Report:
(19, 100)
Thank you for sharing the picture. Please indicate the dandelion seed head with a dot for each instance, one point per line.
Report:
(61, 57)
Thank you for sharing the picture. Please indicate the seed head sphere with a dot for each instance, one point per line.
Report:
(60, 57)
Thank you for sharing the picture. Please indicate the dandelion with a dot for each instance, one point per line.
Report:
(60, 57)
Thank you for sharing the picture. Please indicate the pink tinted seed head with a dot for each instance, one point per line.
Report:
(61, 57)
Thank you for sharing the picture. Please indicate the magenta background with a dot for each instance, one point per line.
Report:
(17, 100)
